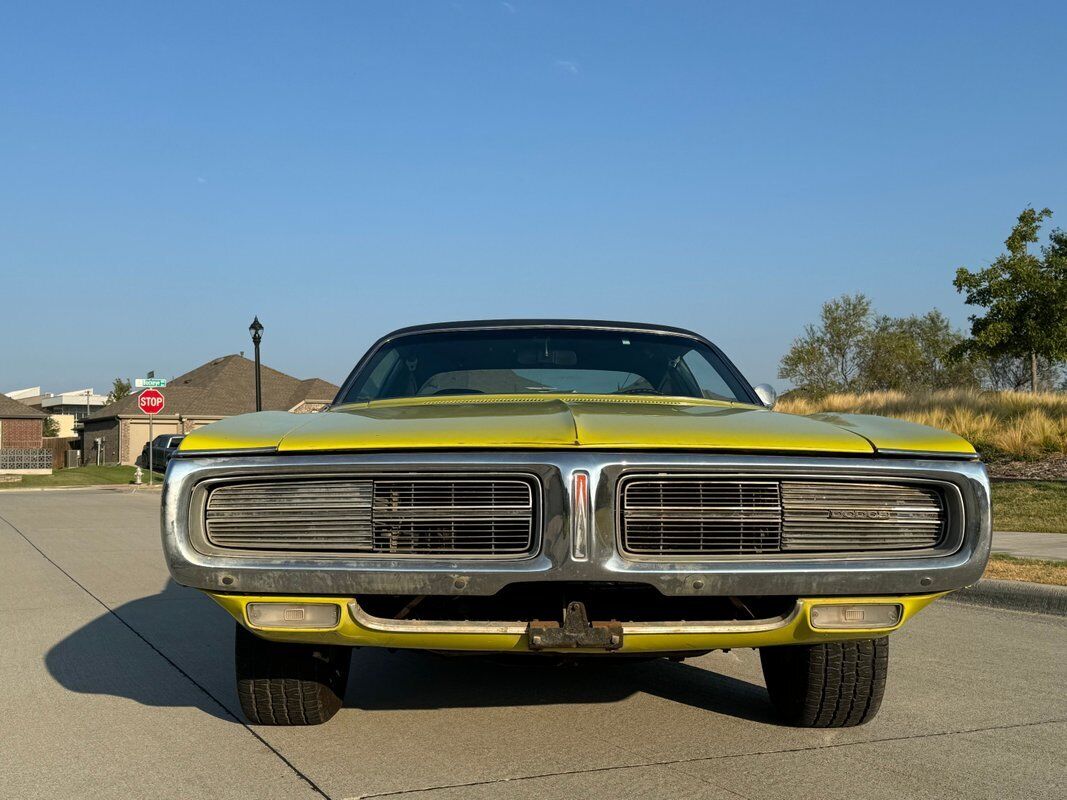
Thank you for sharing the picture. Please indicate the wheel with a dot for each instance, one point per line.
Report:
(289, 684)
(831, 685)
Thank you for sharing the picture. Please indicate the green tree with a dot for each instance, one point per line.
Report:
(119, 388)
(51, 428)
(1025, 298)
(853, 349)
(828, 357)
(915, 352)
(1009, 372)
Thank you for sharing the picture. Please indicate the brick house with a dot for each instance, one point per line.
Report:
(22, 448)
(221, 388)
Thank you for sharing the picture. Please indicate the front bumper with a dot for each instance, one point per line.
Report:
(954, 566)
(356, 628)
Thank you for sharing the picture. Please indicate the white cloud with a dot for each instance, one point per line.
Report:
(568, 66)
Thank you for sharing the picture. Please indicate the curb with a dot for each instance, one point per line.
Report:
(1037, 598)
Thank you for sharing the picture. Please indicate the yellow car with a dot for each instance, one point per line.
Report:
(569, 488)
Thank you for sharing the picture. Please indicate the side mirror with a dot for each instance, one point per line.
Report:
(765, 392)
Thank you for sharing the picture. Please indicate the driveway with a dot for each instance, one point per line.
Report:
(118, 684)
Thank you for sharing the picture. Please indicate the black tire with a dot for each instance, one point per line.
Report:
(831, 685)
(289, 684)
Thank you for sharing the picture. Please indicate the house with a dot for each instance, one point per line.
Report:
(22, 450)
(221, 388)
(65, 408)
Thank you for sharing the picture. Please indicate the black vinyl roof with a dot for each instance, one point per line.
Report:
(492, 324)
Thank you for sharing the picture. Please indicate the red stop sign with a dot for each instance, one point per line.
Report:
(150, 401)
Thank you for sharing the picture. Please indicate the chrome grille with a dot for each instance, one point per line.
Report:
(687, 515)
(487, 517)
(830, 517)
(697, 516)
(376, 515)
(291, 515)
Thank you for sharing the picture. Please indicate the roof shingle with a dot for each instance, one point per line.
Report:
(13, 409)
(226, 386)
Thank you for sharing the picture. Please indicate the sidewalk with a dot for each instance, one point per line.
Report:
(1048, 546)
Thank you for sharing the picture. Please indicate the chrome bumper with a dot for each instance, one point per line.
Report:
(557, 559)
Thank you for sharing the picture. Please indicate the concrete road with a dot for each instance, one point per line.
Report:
(116, 684)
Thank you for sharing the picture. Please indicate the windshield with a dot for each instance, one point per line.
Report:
(544, 362)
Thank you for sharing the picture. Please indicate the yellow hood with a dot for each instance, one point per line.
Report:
(565, 421)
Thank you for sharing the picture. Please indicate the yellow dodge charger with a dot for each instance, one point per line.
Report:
(569, 489)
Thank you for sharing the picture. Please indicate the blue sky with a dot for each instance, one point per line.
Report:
(343, 169)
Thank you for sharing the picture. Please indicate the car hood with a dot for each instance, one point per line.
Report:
(568, 421)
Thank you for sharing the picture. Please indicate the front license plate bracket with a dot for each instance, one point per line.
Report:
(575, 632)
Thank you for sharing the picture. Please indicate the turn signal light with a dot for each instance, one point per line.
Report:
(293, 615)
(873, 615)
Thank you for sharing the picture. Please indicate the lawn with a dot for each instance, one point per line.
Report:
(1008, 568)
(78, 476)
(1036, 506)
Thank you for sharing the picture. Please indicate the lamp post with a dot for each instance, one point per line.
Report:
(256, 329)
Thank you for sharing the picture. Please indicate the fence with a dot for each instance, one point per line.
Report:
(59, 446)
(19, 458)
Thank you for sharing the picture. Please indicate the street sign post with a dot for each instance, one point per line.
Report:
(151, 402)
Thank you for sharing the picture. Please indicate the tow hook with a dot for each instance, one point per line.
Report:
(577, 631)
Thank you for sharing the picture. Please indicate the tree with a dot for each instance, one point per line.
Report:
(51, 428)
(1025, 297)
(1009, 372)
(915, 352)
(853, 349)
(119, 388)
(828, 357)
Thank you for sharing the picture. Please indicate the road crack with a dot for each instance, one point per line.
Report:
(295, 770)
(704, 759)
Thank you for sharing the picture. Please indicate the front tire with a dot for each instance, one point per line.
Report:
(830, 685)
(279, 683)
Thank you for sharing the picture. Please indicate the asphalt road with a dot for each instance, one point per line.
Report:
(117, 683)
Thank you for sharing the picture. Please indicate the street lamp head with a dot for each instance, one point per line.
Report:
(256, 329)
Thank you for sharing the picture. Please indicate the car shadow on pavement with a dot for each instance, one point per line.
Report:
(383, 680)
(125, 653)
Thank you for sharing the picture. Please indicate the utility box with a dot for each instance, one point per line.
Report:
(74, 458)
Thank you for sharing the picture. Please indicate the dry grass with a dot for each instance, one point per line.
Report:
(1007, 568)
(1000, 424)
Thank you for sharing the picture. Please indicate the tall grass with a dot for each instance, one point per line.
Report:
(1000, 424)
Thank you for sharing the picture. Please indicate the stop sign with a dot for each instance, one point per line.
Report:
(150, 401)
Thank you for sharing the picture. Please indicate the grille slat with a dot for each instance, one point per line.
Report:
(686, 515)
(476, 517)
(696, 516)
(825, 516)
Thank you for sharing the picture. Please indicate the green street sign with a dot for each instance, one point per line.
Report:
(150, 383)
